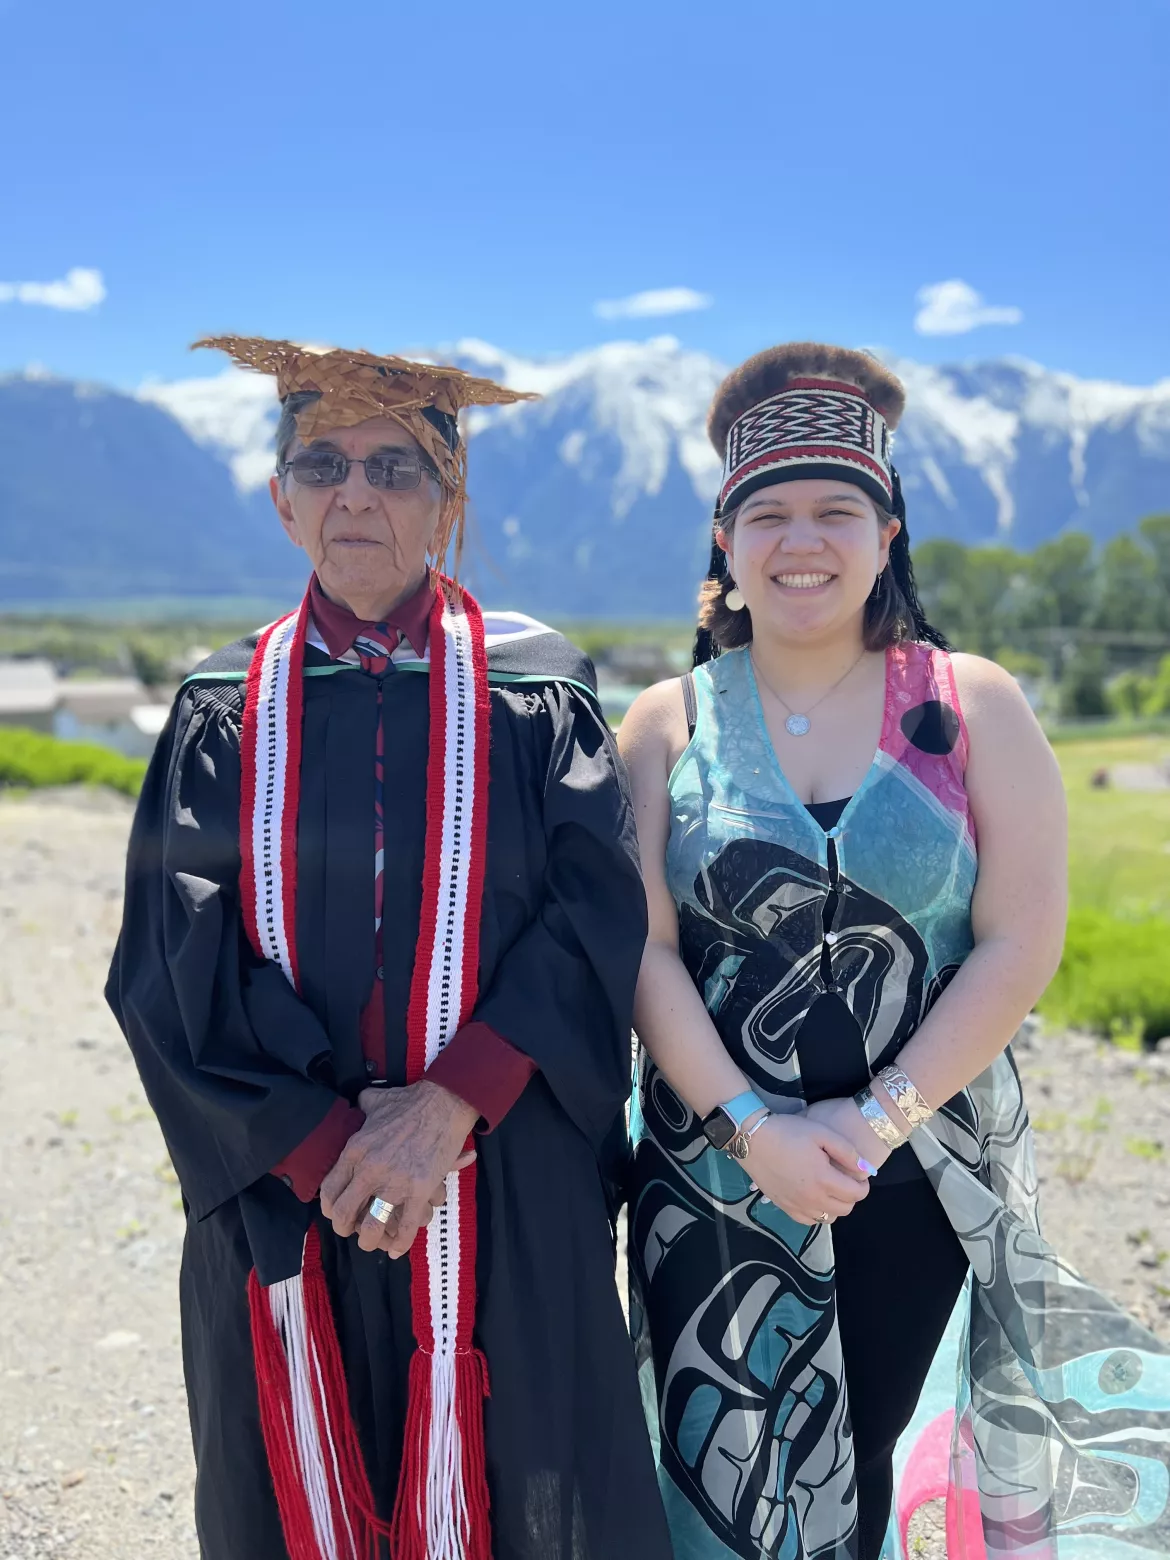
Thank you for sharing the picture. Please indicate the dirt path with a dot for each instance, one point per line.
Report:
(94, 1456)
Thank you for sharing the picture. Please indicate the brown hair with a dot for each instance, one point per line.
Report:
(768, 372)
(888, 619)
(286, 428)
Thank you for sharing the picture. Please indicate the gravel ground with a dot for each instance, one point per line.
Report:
(94, 1455)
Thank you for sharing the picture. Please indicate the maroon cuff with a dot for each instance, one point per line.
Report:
(313, 1158)
(481, 1067)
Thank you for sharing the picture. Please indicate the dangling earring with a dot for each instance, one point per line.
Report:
(734, 599)
(879, 585)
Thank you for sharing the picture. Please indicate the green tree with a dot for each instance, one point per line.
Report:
(969, 592)
(1128, 596)
(1082, 688)
(149, 663)
(1060, 576)
(1129, 693)
(1154, 531)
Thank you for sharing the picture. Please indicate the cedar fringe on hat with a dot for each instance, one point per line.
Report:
(351, 386)
(769, 371)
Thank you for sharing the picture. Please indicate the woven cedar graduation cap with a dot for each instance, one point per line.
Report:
(806, 410)
(351, 386)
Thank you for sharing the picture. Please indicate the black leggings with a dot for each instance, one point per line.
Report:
(899, 1270)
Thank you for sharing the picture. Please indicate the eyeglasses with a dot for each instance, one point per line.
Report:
(393, 473)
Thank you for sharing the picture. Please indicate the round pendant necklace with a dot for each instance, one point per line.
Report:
(798, 725)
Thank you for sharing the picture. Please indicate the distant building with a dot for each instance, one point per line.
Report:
(28, 694)
(117, 712)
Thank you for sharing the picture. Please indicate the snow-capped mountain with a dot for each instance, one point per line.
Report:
(596, 500)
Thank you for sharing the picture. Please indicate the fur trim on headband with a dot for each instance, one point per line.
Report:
(768, 372)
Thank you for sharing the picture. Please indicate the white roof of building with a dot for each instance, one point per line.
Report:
(27, 687)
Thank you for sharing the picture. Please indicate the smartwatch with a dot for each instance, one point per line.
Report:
(723, 1128)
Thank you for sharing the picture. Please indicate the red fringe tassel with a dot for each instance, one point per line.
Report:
(276, 1421)
(471, 1388)
(408, 1528)
(408, 1531)
(351, 1500)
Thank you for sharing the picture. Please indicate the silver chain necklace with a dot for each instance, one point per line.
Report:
(799, 725)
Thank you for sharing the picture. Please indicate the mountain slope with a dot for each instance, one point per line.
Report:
(593, 501)
(103, 496)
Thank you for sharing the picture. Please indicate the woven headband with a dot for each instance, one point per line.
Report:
(811, 428)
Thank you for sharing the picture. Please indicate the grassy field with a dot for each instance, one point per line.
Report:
(1114, 978)
(1119, 839)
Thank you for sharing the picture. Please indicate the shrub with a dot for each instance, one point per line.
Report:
(1081, 694)
(28, 758)
(1129, 693)
(1115, 975)
(1158, 696)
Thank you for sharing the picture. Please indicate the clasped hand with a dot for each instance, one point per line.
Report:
(806, 1167)
(411, 1141)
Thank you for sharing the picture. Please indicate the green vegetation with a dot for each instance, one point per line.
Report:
(28, 759)
(1090, 629)
(1120, 838)
(1114, 978)
(87, 644)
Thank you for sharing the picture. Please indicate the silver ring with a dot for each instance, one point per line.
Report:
(380, 1210)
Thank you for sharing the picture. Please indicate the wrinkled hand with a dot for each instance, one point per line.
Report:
(389, 1237)
(806, 1168)
(412, 1139)
(844, 1117)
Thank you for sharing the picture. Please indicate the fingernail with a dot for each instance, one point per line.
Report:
(753, 1186)
(864, 1164)
(767, 1200)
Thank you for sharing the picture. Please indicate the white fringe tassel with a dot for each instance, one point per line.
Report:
(287, 1301)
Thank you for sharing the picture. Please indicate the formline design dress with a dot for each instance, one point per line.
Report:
(1062, 1429)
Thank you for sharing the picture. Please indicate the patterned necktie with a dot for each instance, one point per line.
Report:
(374, 648)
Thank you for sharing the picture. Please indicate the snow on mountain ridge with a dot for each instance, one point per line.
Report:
(624, 413)
(233, 412)
(651, 396)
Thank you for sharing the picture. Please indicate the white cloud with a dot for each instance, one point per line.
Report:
(660, 300)
(952, 308)
(79, 289)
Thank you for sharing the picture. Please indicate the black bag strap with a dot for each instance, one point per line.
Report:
(690, 702)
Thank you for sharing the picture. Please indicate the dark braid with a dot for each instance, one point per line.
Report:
(706, 647)
(902, 570)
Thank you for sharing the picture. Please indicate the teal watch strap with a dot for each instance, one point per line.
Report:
(743, 1106)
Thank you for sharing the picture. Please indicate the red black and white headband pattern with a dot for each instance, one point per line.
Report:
(811, 428)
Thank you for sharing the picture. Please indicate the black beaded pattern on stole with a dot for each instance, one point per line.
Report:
(268, 894)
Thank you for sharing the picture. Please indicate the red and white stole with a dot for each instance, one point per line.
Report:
(322, 1489)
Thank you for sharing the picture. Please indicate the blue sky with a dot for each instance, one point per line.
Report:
(395, 175)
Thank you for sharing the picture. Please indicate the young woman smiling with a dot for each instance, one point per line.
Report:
(828, 1125)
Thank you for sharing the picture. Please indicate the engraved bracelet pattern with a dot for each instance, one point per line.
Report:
(905, 1096)
(870, 1107)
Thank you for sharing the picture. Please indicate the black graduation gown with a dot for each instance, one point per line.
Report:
(239, 1070)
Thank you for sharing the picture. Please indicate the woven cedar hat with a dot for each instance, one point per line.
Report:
(347, 387)
(805, 410)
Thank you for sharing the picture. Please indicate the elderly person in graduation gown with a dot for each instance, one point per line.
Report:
(382, 931)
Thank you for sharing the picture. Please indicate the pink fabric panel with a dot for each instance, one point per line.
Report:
(918, 675)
